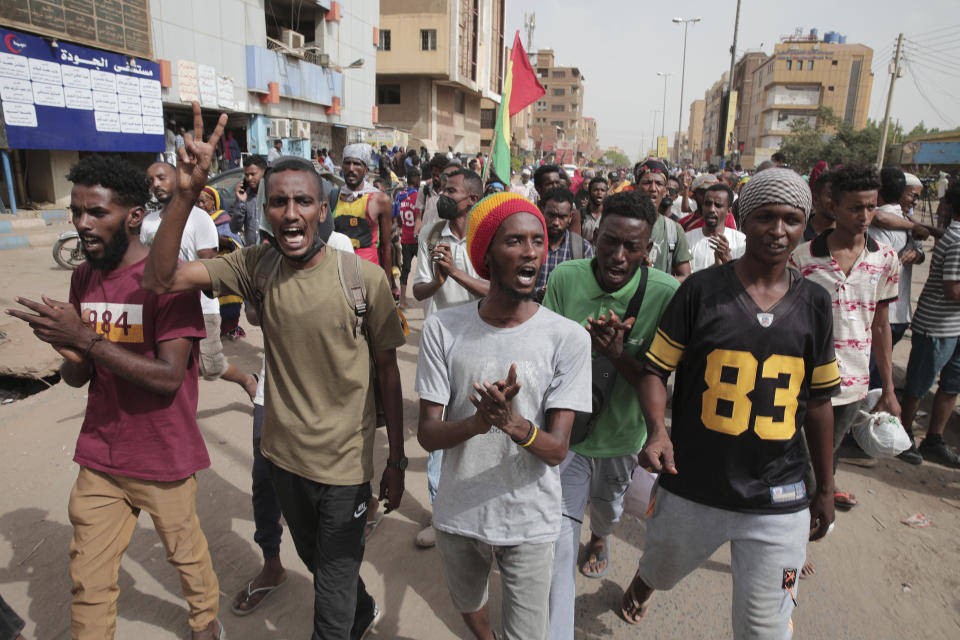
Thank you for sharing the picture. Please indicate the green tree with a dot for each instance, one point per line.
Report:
(834, 141)
(615, 159)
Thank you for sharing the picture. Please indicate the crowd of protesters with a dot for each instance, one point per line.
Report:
(769, 302)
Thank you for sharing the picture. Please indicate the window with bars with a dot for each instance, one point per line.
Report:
(488, 118)
(428, 39)
(384, 44)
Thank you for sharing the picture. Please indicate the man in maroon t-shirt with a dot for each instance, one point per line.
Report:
(139, 446)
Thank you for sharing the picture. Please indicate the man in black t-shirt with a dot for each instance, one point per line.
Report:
(752, 344)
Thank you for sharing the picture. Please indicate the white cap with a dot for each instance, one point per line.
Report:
(525, 172)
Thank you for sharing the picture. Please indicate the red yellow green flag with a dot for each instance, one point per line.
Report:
(520, 88)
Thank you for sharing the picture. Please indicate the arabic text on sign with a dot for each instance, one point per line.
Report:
(16, 90)
(43, 71)
(48, 95)
(18, 114)
(78, 98)
(74, 77)
(107, 121)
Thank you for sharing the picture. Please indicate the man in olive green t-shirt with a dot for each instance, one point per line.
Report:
(319, 409)
(597, 294)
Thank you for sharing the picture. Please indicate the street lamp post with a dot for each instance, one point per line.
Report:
(683, 71)
(663, 121)
(653, 130)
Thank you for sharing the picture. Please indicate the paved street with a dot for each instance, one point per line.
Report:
(875, 576)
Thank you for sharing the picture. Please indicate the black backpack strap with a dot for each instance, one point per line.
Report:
(634, 307)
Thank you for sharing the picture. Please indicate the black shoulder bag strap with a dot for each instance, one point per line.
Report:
(634, 307)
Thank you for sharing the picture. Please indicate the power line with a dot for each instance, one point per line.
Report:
(938, 86)
(938, 29)
(944, 39)
(913, 76)
(936, 65)
(939, 52)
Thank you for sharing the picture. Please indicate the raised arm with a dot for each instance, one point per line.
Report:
(163, 273)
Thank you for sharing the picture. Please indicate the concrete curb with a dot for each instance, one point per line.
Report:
(45, 218)
(22, 241)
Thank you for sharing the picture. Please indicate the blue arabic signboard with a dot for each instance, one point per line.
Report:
(64, 96)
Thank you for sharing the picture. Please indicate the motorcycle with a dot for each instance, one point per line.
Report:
(67, 251)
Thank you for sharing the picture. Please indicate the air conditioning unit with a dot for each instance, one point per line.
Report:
(301, 129)
(315, 56)
(279, 128)
(291, 39)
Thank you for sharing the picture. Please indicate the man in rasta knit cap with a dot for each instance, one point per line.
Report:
(507, 421)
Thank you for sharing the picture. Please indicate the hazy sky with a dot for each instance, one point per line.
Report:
(619, 46)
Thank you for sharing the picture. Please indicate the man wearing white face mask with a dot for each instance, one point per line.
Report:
(446, 277)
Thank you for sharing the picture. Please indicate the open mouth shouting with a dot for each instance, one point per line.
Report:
(292, 237)
(527, 276)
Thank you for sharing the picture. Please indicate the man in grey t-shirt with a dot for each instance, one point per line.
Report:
(507, 424)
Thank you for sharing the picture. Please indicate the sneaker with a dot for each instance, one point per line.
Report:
(911, 455)
(941, 453)
(365, 622)
(426, 538)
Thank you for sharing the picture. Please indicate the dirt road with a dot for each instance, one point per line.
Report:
(876, 578)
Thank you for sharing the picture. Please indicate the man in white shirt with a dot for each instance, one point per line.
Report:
(714, 243)
(276, 152)
(446, 278)
(200, 240)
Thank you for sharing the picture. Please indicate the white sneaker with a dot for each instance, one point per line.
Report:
(426, 538)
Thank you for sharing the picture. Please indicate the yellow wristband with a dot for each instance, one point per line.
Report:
(529, 442)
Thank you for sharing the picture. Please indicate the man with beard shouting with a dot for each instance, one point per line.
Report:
(139, 446)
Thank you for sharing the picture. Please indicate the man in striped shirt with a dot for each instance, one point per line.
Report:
(936, 342)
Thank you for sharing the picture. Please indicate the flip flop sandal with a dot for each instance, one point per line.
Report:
(844, 501)
(596, 557)
(630, 600)
(248, 594)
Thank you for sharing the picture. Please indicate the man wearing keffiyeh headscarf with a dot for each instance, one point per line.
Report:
(758, 318)
(362, 212)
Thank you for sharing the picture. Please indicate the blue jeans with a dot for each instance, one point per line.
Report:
(266, 506)
(930, 356)
(434, 462)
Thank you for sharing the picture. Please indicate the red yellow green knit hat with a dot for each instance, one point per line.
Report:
(486, 217)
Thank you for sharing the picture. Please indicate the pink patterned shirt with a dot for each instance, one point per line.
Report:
(873, 281)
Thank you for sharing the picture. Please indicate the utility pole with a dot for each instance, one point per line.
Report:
(733, 60)
(895, 72)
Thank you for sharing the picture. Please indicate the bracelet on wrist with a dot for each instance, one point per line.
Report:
(533, 437)
(526, 437)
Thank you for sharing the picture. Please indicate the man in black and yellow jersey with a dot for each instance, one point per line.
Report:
(364, 213)
(752, 344)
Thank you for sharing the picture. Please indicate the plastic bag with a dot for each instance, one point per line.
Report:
(637, 498)
(880, 435)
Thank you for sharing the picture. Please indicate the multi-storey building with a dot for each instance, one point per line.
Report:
(713, 115)
(123, 80)
(804, 74)
(695, 134)
(743, 78)
(440, 70)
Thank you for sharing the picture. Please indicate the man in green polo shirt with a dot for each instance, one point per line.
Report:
(597, 294)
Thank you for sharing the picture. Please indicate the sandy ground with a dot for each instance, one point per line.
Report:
(875, 576)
